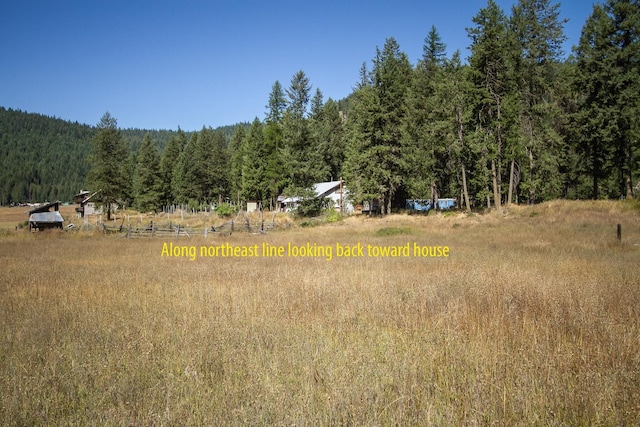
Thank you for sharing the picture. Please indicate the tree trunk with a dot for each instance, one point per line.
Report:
(496, 191)
(510, 183)
(532, 189)
(629, 177)
(464, 189)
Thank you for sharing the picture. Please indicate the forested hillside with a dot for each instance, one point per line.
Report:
(518, 121)
(41, 158)
(45, 158)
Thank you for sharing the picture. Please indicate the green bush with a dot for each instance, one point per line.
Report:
(312, 206)
(225, 210)
(333, 216)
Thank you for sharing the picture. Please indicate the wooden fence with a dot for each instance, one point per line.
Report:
(239, 224)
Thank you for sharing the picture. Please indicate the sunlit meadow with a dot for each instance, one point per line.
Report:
(531, 319)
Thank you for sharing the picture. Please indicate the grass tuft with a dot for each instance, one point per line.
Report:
(393, 231)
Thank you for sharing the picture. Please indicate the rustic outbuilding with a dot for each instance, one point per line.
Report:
(45, 217)
(85, 207)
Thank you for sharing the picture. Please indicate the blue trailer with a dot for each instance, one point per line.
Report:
(425, 205)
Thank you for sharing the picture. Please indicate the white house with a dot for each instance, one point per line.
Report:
(332, 190)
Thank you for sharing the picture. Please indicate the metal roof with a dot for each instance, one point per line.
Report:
(45, 208)
(46, 217)
(323, 188)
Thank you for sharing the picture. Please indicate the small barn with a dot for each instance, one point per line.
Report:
(45, 217)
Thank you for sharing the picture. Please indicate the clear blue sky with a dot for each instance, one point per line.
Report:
(163, 64)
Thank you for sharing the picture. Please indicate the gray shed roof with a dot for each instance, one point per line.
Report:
(46, 217)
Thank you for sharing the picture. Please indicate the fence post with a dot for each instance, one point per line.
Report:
(619, 232)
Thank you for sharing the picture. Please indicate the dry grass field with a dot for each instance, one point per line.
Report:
(533, 318)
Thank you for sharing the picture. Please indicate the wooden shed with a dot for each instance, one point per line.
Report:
(45, 217)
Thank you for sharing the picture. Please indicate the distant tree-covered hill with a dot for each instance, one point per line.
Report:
(46, 158)
(41, 158)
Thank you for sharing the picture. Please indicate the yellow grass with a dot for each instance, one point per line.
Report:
(532, 319)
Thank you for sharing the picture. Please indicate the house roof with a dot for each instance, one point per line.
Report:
(323, 188)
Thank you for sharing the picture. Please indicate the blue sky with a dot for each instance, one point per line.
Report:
(164, 64)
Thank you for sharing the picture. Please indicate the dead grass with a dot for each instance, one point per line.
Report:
(532, 319)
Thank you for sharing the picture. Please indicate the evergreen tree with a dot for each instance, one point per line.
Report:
(425, 153)
(167, 165)
(539, 33)
(218, 169)
(331, 137)
(254, 183)
(277, 103)
(298, 92)
(274, 144)
(453, 91)
(318, 145)
(434, 50)
(184, 182)
(237, 152)
(129, 170)
(391, 82)
(361, 140)
(608, 83)
(107, 159)
(494, 101)
(209, 166)
(374, 158)
(299, 154)
(147, 185)
(274, 169)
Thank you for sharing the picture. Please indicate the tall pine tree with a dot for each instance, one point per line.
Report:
(493, 52)
(167, 164)
(608, 84)
(107, 160)
(147, 184)
(426, 142)
(539, 33)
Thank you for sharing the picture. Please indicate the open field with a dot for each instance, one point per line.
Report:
(533, 318)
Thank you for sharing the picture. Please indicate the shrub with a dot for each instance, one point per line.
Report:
(225, 210)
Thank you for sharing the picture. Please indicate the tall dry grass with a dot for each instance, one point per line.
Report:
(531, 320)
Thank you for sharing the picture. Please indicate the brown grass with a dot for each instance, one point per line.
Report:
(531, 320)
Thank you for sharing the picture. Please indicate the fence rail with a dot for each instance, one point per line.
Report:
(177, 230)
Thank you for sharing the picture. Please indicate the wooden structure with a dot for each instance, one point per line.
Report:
(43, 217)
(84, 206)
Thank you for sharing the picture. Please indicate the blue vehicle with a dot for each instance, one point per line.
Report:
(425, 205)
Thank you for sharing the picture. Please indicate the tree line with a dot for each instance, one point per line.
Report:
(517, 122)
(46, 158)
